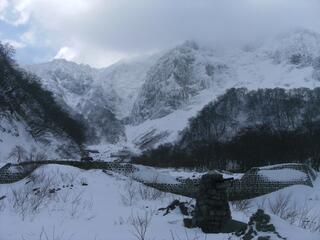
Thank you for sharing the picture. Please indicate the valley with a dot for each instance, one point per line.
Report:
(100, 147)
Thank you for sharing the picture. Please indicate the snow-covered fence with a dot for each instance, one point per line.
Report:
(254, 183)
(12, 173)
(262, 180)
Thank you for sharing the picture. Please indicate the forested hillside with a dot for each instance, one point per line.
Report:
(245, 128)
(30, 112)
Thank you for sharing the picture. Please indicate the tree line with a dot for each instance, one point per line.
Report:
(243, 129)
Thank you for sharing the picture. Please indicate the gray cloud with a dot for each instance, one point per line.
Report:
(112, 29)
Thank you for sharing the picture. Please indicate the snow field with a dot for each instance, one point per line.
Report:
(96, 205)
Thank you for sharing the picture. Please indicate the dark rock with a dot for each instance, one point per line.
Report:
(187, 222)
(86, 159)
(233, 226)
(3, 197)
(259, 227)
(185, 209)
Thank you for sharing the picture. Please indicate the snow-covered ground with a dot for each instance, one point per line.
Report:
(95, 205)
(15, 139)
(283, 175)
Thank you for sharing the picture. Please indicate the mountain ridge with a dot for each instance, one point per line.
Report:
(188, 76)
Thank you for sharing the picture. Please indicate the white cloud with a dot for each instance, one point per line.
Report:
(15, 12)
(3, 5)
(94, 56)
(28, 37)
(66, 53)
(14, 43)
(102, 31)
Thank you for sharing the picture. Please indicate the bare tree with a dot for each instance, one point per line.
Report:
(35, 155)
(53, 235)
(129, 196)
(30, 198)
(140, 224)
(18, 153)
(283, 207)
(241, 205)
(150, 193)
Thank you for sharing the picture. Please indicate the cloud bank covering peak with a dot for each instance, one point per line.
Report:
(100, 32)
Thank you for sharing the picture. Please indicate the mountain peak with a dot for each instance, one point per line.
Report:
(298, 47)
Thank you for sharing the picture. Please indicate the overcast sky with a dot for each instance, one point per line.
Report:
(100, 32)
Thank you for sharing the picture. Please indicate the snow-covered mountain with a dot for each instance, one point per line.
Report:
(75, 88)
(126, 79)
(152, 98)
(175, 78)
(299, 47)
(101, 96)
(252, 67)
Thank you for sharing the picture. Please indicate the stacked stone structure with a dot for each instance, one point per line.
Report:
(212, 210)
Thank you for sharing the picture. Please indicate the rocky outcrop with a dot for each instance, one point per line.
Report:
(177, 76)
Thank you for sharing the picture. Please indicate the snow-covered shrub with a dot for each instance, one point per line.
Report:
(241, 205)
(129, 194)
(286, 208)
(187, 236)
(29, 199)
(2, 204)
(49, 235)
(17, 154)
(20, 154)
(140, 224)
(75, 205)
(66, 177)
(283, 207)
(149, 193)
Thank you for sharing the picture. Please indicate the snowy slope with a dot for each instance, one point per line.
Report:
(126, 78)
(101, 209)
(14, 133)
